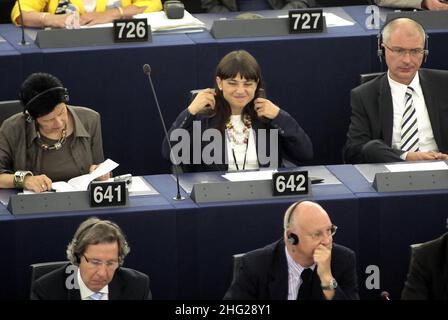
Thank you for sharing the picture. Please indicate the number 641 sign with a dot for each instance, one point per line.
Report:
(107, 194)
(306, 20)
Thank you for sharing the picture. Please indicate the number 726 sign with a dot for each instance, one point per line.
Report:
(307, 20)
(131, 30)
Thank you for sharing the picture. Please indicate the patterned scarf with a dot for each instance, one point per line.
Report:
(62, 6)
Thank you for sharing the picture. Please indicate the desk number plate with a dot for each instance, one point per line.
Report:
(105, 194)
(306, 20)
(131, 30)
(290, 183)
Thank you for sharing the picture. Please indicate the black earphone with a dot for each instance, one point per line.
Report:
(380, 50)
(63, 96)
(292, 237)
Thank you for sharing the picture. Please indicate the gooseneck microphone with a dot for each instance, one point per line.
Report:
(385, 295)
(147, 71)
(22, 42)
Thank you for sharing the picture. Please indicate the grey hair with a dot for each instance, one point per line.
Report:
(389, 27)
(95, 231)
(289, 213)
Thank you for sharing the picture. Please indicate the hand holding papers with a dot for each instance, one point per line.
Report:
(82, 182)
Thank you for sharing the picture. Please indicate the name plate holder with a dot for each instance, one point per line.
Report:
(236, 191)
(258, 27)
(429, 19)
(67, 38)
(410, 180)
(52, 202)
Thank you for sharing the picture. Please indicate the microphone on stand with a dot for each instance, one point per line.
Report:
(385, 295)
(147, 71)
(22, 42)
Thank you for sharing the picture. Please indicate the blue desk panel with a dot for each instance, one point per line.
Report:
(149, 223)
(390, 222)
(186, 249)
(10, 71)
(110, 80)
(310, 76)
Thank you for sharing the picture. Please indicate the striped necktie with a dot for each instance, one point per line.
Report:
(409, 128)
(96, 296)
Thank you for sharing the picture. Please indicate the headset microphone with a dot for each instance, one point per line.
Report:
(293, 239)
(380, 50)
(147, 71)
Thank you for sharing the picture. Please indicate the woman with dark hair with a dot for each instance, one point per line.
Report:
(50, 140)
(239, 128)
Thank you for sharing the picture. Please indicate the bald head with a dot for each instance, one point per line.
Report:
(403, 27)
(305, 213)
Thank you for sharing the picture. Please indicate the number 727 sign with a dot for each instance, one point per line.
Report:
(307, 20)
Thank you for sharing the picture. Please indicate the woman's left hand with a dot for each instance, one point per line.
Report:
(265, 108)
(92, 18)
(101, 178)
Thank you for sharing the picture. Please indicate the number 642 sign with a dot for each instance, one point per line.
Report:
(306, 20)
(290, 183)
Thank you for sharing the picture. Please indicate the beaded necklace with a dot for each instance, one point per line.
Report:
(239, 137)
(57, 145)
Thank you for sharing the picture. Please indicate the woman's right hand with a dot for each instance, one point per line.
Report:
(38, 184)
(55, 20)
(205, 98)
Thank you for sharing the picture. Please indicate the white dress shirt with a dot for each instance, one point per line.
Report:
(425, 135)
(240, 149)
(294, 272)
(85, 292)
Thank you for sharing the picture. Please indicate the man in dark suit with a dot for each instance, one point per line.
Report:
(305, 265)
(403, 114)
(96, 253)
(428, 271)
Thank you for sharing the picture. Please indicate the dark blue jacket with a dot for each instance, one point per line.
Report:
(293, 145)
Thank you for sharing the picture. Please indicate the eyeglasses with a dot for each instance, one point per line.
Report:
(401, 52)
(327, 233)
(95, 263)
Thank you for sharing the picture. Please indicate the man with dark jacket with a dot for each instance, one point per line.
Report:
(305, 265)
(428, 271)
(96, 253)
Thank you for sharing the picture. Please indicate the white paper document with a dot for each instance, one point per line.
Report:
(82, 182)
(159, 22)
(423, 166)
(139, 187)
(333, 20)
(249, 176)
